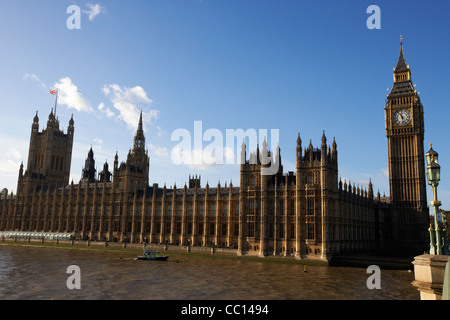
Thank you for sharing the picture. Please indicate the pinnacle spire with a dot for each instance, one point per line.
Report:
(401, 64)
(139, 138)
(334, 145)
(324, 138)
(140, 122)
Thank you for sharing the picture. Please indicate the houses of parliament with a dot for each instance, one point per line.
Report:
(309, 213)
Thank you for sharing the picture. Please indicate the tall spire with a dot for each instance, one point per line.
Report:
(243, 152)
(401, 64)
(88, 172)
(139, 138)
(402, 77)
(299, 150)
(324, 139)
(140, 123)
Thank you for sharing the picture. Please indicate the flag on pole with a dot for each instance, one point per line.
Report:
(55, 93)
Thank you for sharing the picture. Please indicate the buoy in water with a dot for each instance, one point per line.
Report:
(304, 269)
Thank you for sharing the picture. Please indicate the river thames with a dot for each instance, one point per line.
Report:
(40, 273)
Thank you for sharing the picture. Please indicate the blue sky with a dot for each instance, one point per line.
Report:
(295, 66)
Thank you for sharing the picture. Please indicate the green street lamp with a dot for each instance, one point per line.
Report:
(438, 236)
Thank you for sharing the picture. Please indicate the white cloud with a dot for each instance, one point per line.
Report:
(14, 154)
(160, 131)
(107, 111)
(384, 172)
(128, 102)
(362, 183)
(10, 162)
(94, 10)
(15, 149)
(32, 76)
(158, 150)
(69, 95)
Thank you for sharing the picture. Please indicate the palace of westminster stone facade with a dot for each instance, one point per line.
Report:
(306, 213)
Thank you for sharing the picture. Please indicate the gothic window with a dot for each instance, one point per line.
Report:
(292, 207)
(281, 230)
(251, 229)
(253, 180)
(253, 206)
(236, 229)
(201, 210)
(292, 231)
(281, 207)
(224, 209)
(179, 209)
(190, 210)
(270, 235)
(311, 178)
(224, 229)
(310, 231)
(167, 227)
(271, 207)
(236, 209)
(213, 210)
(310, 206)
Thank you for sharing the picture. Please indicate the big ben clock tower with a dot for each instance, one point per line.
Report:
(405, 134)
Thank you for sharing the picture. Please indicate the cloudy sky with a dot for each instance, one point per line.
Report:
(291, 66)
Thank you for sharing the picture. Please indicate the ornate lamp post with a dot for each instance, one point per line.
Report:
(438, 236)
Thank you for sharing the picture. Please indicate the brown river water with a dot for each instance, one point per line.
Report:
(40, 273)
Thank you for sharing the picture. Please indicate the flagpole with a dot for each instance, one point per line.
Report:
(56, 100)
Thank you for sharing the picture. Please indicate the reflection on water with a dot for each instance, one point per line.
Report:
(40, 273)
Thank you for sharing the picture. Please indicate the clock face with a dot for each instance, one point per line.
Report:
(402, 117)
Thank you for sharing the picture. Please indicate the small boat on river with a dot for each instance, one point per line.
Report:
(152, 255)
